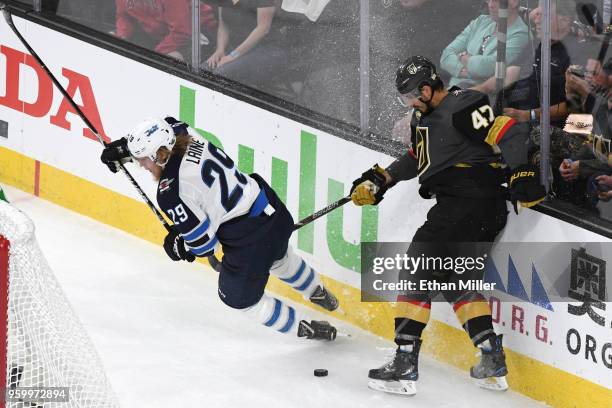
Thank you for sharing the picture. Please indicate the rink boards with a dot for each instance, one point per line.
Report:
(562, 358)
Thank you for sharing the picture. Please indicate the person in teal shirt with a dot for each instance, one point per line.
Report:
(470, 58)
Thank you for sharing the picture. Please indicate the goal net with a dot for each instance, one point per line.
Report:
(49, 360)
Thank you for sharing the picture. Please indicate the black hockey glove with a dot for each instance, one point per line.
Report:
(370, 188)
(114, 153)
(525, 187)
(175, 247)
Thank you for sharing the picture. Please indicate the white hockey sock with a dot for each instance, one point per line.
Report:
(292, 269)
(276, 314)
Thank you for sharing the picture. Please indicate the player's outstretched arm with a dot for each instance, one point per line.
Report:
(403, 168)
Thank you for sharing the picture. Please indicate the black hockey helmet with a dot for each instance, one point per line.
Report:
(415, 72)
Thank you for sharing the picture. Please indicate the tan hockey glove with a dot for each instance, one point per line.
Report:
(370, 188)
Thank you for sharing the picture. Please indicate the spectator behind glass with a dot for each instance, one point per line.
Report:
(162, 25)
(248, 49)
(591, 163)
(470, 58)
(522, 99)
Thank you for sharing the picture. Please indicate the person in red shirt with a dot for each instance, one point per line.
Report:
(163, 25)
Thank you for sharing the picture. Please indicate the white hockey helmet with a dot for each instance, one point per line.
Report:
(148, 136)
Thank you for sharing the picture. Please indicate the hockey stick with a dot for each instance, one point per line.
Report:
(216, 264)
(9, 20)
(322, 212)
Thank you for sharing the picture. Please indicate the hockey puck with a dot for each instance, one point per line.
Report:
(320, 372)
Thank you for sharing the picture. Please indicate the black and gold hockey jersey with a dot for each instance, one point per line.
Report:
(454, 134)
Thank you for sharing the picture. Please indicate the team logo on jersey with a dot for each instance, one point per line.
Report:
(422, 149)
(164, 184)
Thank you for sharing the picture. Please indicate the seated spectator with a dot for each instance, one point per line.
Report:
(587, 87)
(591, 164)
(162, 25)
(248, 41)
(591, 177)
(470, 58)
(521, 100)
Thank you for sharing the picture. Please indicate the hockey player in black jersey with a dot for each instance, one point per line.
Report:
(455, 157)
(210, 202)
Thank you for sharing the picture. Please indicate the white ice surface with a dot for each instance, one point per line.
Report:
(166, 340)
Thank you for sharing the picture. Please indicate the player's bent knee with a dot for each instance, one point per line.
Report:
(240, 301)
(240, 291)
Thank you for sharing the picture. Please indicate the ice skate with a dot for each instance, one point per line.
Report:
(398, 376)
(316, 330)
(490, 372)
(322, 297)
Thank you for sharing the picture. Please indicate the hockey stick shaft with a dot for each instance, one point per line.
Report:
(9, 20)
(321, 212)
(216, 264)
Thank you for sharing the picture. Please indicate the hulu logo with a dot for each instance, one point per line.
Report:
(345, 253)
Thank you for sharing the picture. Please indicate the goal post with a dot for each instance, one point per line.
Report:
(49, 359)
(4, 267)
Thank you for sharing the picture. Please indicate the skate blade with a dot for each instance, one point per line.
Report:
(394, 387)
(492, 383)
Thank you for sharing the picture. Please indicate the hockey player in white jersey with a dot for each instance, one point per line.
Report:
(210, 202)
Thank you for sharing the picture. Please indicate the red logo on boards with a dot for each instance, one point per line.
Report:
(41, 106)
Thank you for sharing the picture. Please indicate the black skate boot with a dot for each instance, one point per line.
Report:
(316, 330)
(324, 298)
(398, 376)
(491, 371)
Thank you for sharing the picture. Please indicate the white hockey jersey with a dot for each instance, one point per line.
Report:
(203, 189)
